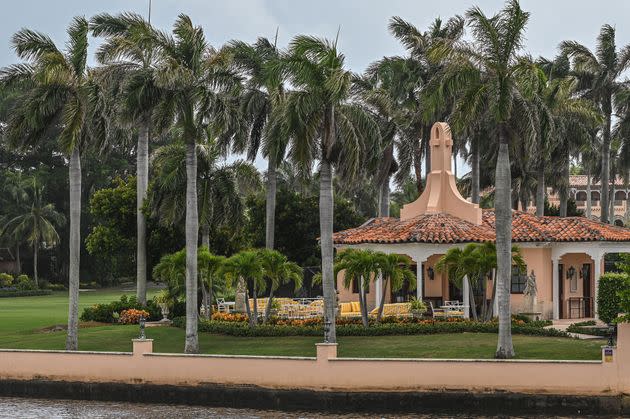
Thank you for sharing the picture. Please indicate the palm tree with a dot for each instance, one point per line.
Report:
(359, 267)
(59, 94)
(36, 224)
(128, 56)
(12, 200)
(263, 92)
(279, 270)
(419, 74)
(324, 126)
(172, 270)
(247, 266)
(486, 77)
(191, 83)
(395, 271)
(598, 74)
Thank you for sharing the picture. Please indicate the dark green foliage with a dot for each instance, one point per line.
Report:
(23, 293)
(104, 312)
(581, 327)
(357, 329)
(608, 298)
(572, 210)
(297, 224)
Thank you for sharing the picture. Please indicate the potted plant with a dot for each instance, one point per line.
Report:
(164, 300)
(417, 307)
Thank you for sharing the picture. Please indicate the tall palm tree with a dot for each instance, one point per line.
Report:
(359, 267)
(395, 271)
(60, 95)
(279, 270)
(599, 76)
(128, 56)
(12, 199)
(36, 224)
(263, 92)
(487, 83)
(324, 126)
(191, 84)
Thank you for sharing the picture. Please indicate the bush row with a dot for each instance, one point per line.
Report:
(104, 313)
(5, 293)
(349, 329)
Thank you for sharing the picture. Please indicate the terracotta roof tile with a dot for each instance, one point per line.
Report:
(446, 228)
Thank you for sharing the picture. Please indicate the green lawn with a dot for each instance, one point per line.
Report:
(21, 321)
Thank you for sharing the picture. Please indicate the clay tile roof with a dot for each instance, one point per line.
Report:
(446, 228)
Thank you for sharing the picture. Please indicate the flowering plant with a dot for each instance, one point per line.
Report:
(132, 316)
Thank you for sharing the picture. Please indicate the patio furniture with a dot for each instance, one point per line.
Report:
(352, 309)
(394, 310)
(454, 309)
(437, 312)
(222, 307)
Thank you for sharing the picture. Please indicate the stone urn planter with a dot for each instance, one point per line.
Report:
(165, 311)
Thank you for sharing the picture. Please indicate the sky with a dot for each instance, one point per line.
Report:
(363, 34)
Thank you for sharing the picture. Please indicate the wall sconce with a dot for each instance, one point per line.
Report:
(431, 273)
(570, 272)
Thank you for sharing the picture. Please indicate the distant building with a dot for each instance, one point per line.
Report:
(578, 191)
(8, 263)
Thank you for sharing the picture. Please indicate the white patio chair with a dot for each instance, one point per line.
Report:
(221, 306)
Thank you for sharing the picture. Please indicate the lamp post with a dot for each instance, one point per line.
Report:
(327, 325)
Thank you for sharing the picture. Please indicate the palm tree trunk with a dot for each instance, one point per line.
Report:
(540, 190)
(35, 258)
(248, 309)
(484, 302)
(268, 308)
(564, 189)
(503, 182)
(475, 170)
(72, 338)
(205, 236)
(362, 304)
(255, 296)
(204, 298)
(491, 313)
(473, 304)
(381, 304)
(18, 260)
(605, 177)
(383, 198)
(142, 182)
(417, 162)
(611, 216)
(326, 242)
(192, 234)
(588, 194)
(427, 151)
(270, 210)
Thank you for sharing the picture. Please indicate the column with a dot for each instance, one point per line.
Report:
(419, 281)
(598, 259)
(555, 286)
(466, 297)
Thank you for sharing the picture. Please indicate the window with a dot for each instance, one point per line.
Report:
(519, 280)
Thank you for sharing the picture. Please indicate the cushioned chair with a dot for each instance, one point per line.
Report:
(352, 309)
(394, 309)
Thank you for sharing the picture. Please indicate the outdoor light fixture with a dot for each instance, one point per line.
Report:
(570, 272)
(431, 273)
(142, 324)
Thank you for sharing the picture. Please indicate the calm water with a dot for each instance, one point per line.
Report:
(62, 409)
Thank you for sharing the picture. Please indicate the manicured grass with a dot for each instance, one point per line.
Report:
(22, 318)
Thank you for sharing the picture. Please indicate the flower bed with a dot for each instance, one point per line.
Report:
(104, 313)
(132, 316)
(236, 325)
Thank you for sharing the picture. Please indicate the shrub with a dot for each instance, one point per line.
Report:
(104, 313)
(6, 293)
(57, 287)
(23, 282)
(611, 285)
(236, 325)
(132, 316)
(5, 280)
(417, 305)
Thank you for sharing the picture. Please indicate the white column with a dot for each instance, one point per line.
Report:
(379, 289)
(598, 272)
(419, 282)
(466, 297)
(555, 286)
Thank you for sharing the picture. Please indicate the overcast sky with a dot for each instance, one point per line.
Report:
(363, 39)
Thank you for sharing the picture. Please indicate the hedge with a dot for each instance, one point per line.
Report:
(608, 298)
(242, 329)
(23, 293)
(104, 312)
(582, 327)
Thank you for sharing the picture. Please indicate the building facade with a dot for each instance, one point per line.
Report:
(566, 255)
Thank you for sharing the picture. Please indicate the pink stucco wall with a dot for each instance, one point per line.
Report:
(326, 371)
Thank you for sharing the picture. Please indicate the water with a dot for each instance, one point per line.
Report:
(63, 409)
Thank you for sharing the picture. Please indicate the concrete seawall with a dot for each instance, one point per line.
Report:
(324, 382)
